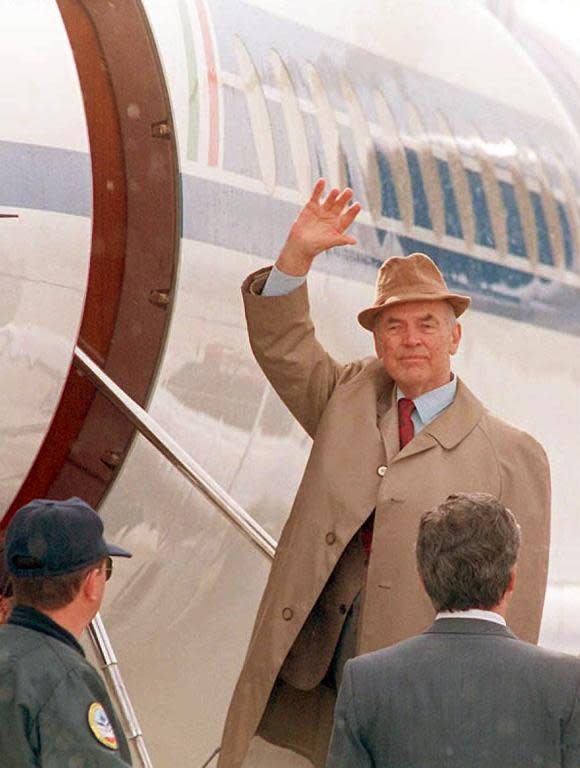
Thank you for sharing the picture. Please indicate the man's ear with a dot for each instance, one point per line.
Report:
(455, 338)
(377, 335)
(512, 582)
(378, 345)
(92, 585)
(421, 582)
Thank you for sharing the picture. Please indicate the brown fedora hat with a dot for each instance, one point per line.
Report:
(410, 278)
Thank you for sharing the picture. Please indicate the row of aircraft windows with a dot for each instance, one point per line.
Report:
(405, 180)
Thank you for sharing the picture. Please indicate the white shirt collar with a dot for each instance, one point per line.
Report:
(472, 613)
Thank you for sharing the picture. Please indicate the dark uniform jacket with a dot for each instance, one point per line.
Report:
(54, 708)
(464, 694)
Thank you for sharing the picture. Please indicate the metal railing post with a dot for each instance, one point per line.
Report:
(197, 476)
(109, 664)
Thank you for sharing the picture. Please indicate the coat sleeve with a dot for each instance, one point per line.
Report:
(347, 749)
(18, 743)
(284, 343)
(525, 489)
(78, 726)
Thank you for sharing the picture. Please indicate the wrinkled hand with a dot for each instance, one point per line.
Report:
(320, 225)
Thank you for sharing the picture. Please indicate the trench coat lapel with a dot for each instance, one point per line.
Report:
(456, 422)
(448, 429)
(389, 427)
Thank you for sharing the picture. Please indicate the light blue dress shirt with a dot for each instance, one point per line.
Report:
(431, 404)
(279, 283)
(427, 406)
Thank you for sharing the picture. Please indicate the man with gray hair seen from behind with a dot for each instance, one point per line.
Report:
(54, 708)
(466, 692)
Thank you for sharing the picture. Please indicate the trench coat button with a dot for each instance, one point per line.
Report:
(287, 614)
(330, 537)
(382, 470)
(342, 608)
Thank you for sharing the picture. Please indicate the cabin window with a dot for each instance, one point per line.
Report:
(238, 133)
(291, 143)
(330, 156)
(566, 236)
(389, 202)
(452, 218)
(516, 242)
(259, 115)
(483, 228)
(421, 205)
(364, 148)
(544, 245)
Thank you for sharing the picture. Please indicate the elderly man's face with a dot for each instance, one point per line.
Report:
(415, 341)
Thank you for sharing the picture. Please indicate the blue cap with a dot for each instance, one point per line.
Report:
(51, 538)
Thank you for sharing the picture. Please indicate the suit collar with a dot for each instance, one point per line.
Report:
(469, 627)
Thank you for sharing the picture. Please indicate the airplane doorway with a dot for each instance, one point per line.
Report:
(135, 237)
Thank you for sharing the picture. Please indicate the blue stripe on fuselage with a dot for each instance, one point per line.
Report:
(45, 179)
(59, 181)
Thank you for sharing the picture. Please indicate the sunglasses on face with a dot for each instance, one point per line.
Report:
(108, 568)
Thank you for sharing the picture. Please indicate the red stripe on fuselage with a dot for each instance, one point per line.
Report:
(212, 83)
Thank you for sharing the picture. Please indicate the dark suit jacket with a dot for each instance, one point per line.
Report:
(465, 694)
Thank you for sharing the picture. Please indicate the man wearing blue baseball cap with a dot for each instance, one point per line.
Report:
(54, 708)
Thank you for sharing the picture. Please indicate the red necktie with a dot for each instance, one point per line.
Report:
(406, 427)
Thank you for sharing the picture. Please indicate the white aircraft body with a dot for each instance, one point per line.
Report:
(154, 152)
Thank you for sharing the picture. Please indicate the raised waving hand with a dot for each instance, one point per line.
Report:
(321, 224)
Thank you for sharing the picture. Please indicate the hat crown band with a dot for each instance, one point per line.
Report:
(410, 278)
(404, 290)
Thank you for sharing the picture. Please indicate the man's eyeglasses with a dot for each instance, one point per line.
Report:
(108, 568)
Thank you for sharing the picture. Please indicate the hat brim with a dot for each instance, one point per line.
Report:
(367, 317)
(114, 551)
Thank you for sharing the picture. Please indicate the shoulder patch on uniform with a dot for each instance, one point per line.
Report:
(101, 727)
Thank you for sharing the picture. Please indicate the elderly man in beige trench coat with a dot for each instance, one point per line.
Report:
(359, 482)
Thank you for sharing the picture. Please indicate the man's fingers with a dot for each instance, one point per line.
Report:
(347, 218)
(342, 200)
(341, 239)
(317, 191)
(330, 201)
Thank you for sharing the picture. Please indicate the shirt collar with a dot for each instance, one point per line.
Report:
(430, 404)
(472, 613)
